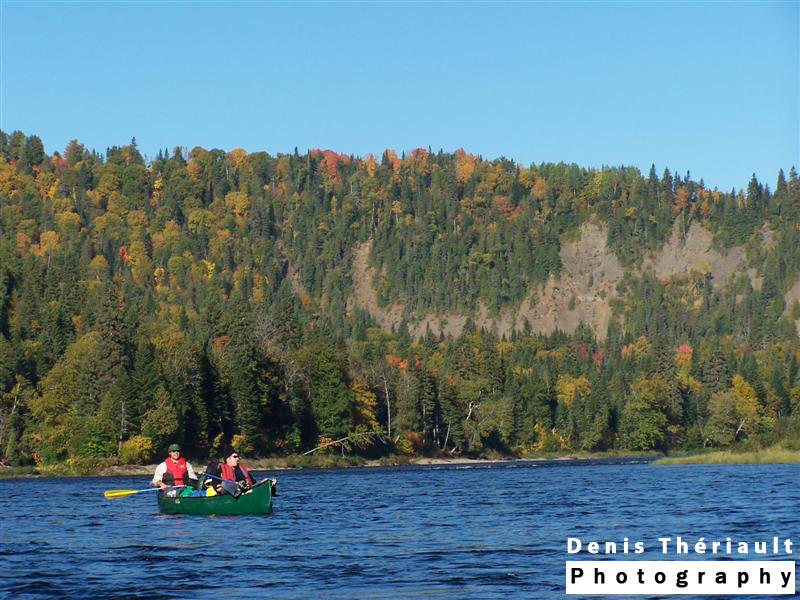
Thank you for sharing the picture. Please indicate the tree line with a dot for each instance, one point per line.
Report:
(204, 297)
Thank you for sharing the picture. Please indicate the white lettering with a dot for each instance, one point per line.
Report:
(682, 547)
(743, 548)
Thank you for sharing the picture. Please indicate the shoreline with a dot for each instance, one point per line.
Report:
(765, 456)
(294, 463)
(300, 462)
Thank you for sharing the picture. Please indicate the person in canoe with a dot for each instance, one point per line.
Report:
(175, 470)
(232, 469)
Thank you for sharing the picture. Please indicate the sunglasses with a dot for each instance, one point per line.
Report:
(234, 456)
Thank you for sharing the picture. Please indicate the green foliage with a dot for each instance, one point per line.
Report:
(93, 440)
(330, 398)
(161, 422)
(208, 295)
(61, 409)
(642, 426)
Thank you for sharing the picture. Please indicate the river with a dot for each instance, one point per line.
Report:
(496, 530)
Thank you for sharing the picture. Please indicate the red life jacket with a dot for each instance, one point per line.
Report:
(178, 470)
(229, 473)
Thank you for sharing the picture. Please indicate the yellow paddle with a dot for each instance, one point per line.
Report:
(123, 493)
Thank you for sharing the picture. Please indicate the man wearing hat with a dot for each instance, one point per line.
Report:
(174, 470)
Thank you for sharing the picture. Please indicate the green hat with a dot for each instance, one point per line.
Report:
(174, 447)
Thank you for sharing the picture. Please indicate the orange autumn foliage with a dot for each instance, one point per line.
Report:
(417, 161)
(219, 343)
(503, 205)
(681, 199)
(539, 188)
(396, 163)
(396, 361)
(465, 165)
(237, 157)
(329, 162)
(683, 355)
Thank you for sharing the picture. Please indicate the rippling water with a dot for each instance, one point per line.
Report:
(482, 531)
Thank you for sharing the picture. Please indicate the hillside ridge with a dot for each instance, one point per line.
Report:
(581, 293)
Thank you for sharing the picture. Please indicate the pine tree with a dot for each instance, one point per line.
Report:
(331, 397)
(665, 368)
(144, 381)
(716, 372)
(105, 383)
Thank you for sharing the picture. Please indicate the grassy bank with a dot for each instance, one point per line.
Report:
(730, 457)
(66, 470)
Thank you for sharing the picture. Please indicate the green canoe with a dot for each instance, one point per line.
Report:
(254, 502)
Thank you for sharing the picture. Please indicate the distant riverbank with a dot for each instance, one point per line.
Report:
(332, 461)
(325, 461)
(728, 457)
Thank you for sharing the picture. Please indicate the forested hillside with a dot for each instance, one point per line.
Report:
(207, 296)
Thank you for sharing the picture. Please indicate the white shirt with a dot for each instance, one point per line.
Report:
(162, 468)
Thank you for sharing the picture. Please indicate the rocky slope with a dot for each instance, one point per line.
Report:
(583, 290)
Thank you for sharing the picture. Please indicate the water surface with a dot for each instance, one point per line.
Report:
(458, 531)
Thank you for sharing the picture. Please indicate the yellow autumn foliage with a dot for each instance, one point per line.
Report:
(48, 242)
(569, 387)
(636, 349)
(68, 223)
(239, 203)
(364, 405)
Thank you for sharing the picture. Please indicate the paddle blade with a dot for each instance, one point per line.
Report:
(118, 493)
(123, 493)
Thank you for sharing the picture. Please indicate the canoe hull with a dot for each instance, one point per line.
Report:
(255, 502)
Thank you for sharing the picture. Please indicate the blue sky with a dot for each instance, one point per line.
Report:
(706, 87)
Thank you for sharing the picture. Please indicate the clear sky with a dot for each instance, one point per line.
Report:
(710, 87)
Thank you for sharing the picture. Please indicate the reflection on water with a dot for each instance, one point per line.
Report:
(485, 531)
